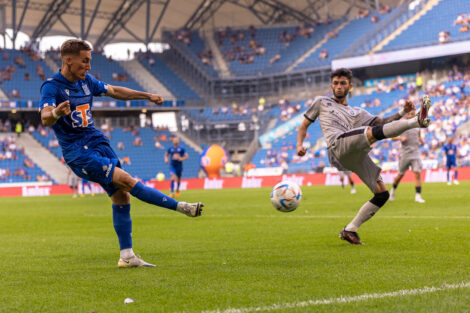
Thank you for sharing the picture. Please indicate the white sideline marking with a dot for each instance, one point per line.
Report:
(346, 299)
(341, 216)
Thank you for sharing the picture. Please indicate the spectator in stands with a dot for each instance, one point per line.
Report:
(28, 163)
(53, 143)
(26, 76)
(43, 178)
(461, 20)
(20, 61)
(157, 144)
(31, 128)
(40, 72)
(18, 129)
(323, 54)
(464, 29)
(126, 160)
(15, 93)
(375, 19)
(363, 14)
(385, 9)
(5, 56)
(275, 58)
(120, 145)
(137, 142)
(332, 34)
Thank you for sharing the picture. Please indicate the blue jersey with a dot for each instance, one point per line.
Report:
(450, 150)
(174, 152)
(77, 129)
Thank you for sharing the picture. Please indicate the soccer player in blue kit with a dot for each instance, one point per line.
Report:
(450, 150)
(66, 103)
(175, 156)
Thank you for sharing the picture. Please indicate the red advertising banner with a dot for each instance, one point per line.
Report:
(428, 176)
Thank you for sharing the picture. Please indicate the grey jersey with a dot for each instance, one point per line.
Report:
(336, 118)
(410, 148)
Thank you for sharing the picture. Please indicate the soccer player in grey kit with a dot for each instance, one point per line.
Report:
(410, 156)
(349, 132)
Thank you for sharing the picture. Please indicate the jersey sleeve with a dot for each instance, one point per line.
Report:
(48, 96)
(98, 88)
(183, 152)
(364, 118)
(314, 110)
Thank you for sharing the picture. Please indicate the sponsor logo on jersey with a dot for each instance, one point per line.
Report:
(86, 90)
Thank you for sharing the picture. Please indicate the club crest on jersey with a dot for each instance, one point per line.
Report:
(86, 90)
(67, 92)
(352, 112)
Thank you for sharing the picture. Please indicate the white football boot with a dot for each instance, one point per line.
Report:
(419, 199)
(190, 209)
(133, 261)
(392, 194)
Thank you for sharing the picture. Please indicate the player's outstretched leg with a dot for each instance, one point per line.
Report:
(396, 128)
(349, 233)
(125, 182)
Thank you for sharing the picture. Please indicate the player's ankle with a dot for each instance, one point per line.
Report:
(127, 253)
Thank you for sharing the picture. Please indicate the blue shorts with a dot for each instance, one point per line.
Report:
(97, 164)
(176, 170)
(450, 164)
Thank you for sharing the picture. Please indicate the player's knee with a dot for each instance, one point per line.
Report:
(378, 132)
(379, 199)
(121, 197)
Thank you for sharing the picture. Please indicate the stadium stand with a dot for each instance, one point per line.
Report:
(167, 77)
(21, 74)
(444, 17)
(191, 43)
(339, 42)
(15, 166)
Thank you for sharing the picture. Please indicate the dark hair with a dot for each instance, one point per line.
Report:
(342, 72)
(74, 46)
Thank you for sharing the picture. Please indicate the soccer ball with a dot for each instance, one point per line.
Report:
(286, 196)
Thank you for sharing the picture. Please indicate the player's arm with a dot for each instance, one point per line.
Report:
(406, 108)
(302, 133)
(123, 93)
(50, 115)
(420, 139)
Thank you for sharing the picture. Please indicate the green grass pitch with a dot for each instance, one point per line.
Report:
(60, 254)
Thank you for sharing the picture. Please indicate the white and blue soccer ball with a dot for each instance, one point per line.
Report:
(286, 196)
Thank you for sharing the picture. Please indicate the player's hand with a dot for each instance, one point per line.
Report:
(63, 108)
(301, 150)
(409, 106)
(157, 99)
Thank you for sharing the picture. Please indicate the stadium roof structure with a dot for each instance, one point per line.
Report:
(109, 21)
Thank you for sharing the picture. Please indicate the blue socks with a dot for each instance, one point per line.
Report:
(153, 196)
(123, 225)
(172, 186)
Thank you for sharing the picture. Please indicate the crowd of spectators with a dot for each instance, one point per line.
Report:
(463, 21)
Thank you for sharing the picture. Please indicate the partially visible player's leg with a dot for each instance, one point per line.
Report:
(396, 128)
(126, 182)
(396, 181)
(172, 183)
(351, 182)
(449, 175)
(178, 185)
(456, 174)
(418, 197)
(122, 223)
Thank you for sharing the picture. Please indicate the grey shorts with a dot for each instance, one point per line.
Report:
(404, 164)
(350, 151)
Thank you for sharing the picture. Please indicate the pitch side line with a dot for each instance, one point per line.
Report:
(339, 216)
(367, 296)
